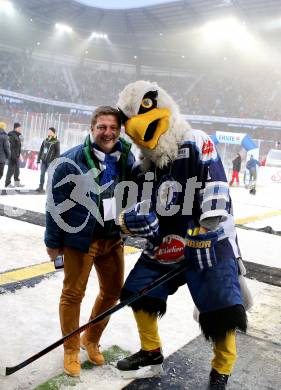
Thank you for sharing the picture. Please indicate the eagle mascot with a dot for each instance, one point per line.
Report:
(185, 212)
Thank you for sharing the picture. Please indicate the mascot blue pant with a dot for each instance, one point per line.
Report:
(215, 292)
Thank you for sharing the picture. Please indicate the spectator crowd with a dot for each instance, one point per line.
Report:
(242, 93)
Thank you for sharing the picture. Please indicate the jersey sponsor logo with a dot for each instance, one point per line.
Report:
(207, 147)
(171, 250)
(183, 153)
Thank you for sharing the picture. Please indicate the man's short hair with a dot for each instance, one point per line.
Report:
(105, 110)
(52, 129)
(16, 125)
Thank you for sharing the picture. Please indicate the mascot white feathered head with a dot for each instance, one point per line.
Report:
(153, 121)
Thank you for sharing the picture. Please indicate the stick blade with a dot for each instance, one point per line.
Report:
(3, 371)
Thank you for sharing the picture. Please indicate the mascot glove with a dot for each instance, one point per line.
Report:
(140, 222)
(200, 249)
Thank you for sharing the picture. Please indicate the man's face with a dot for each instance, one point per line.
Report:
(18, 129)
(106, 132)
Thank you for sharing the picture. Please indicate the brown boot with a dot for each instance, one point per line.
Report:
(72, 363)
(94, 354)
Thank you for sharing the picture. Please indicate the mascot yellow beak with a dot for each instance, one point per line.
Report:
(146, 129)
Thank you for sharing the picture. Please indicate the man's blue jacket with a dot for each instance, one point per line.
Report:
(252, 164)
(77, 215)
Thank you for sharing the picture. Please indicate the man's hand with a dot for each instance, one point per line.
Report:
(54, 252)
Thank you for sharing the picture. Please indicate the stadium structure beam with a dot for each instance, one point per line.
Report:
(238, 10)
(48, 6)
(129, 26)
(191, 11)
(99, 19)
(76, 14)
(132, 37)
(155, 20)
(43, 12)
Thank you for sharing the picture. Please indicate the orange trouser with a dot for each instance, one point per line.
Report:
(107, 256)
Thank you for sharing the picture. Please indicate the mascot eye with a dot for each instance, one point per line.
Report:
(147, 103)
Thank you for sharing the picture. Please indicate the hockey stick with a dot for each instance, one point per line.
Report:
(5, 371)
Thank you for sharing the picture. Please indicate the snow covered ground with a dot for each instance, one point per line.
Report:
(29, 317)
(30, 178)
(35, 313)
(21, 244)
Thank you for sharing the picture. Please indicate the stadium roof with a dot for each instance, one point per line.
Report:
(121, 4)
(148, 34)
(162, 17)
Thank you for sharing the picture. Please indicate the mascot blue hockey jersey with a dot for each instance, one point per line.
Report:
(182, 187)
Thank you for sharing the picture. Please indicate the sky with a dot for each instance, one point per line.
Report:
(121, 4)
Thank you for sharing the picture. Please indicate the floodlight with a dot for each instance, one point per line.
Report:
(224, 29)
(228, 30)
(96, 35)
(7, 7)
(63, 28)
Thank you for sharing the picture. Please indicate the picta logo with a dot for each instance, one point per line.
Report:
(84, 184)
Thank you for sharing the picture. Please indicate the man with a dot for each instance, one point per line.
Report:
(236, 166)
(81, 235)
(189, 219)
(252, 165)
(5, 152)
(14, 160)
(49, 150)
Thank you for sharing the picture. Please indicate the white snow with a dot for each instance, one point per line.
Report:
(267, 199)
(30, 178)
(35, 313)
(261, 248)
(29, 317)
(21, 244)
(25, 202)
